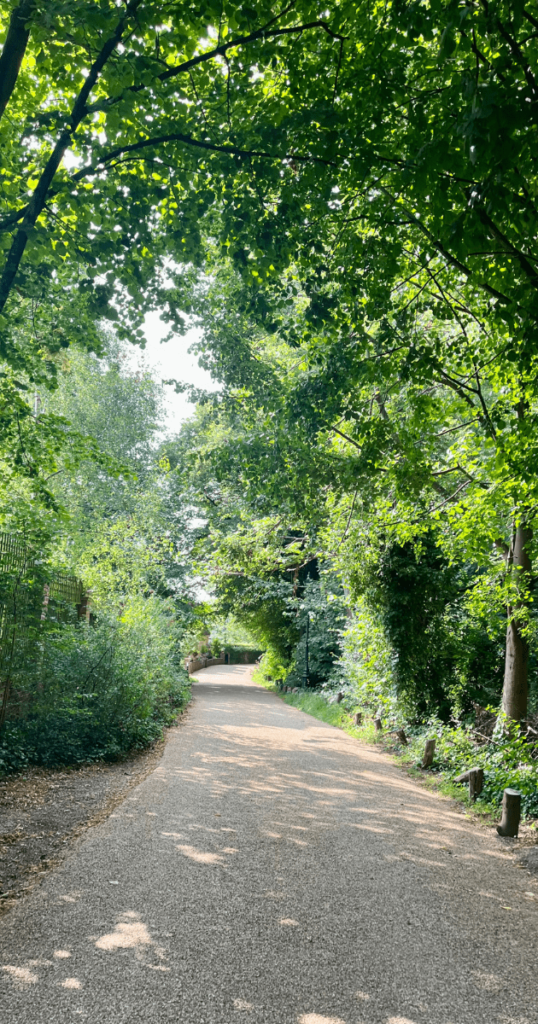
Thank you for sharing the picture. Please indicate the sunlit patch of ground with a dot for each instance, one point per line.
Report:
(200, 856)
(126, 935)
(21, 975)
(316, 1018)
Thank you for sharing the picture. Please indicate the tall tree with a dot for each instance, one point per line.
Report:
(383, 155)
(117, 137)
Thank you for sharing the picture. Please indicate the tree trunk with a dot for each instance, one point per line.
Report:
(14, 50)
(515, 687)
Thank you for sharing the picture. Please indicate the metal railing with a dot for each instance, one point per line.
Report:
(31, 596)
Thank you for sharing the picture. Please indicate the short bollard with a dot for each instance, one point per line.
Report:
(511, 813)
(357, 718)
(402, 737)
(475, 778)
(429, 751)
(378, 725)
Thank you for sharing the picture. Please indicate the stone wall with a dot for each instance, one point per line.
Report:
(195, 664)
(233, 657)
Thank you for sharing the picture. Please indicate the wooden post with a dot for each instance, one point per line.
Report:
(339, 697)
(475, 778)
(378, 725)
(357, 718)
(429, 751)
(511, 813)
(402, 737)
(476, 782)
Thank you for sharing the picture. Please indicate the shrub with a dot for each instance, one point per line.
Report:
(97, 692)
(443, 655)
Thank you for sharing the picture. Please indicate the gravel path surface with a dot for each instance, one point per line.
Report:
(273, 871)
(43, 809)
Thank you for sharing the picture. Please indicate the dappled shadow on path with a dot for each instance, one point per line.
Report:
(301, 879)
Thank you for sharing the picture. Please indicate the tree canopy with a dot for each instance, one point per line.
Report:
(346, 196)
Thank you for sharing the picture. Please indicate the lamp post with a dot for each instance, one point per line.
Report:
(305, 678)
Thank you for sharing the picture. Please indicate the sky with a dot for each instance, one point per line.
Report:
(174, 360)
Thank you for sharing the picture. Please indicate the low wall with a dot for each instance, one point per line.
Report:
(233, 657)
(244, 657)
(195, 664)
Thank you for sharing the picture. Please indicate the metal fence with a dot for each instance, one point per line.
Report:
(31, 597)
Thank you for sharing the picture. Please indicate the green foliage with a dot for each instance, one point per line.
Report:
(320, 618)
(80, 692)
(364, 669)
(271, 669)
(126, 534)
(508, 762)
(361, 201)
(228, 632)
(98, 692)
(32, 448)
(440, 656)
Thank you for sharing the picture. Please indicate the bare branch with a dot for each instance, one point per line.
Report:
(346, 437)
(450, 497)
(450, 430)
(485, 410)
(160, 140)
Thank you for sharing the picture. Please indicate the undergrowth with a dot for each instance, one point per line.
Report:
(98, 692)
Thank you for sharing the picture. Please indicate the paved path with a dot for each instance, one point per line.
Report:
(273, 871)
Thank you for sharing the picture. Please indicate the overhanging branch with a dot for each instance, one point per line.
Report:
(161, 140)
(220, 51)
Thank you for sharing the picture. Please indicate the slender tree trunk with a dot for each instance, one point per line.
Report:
(515, 689)
(13, 50)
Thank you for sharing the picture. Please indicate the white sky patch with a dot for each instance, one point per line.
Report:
(173, 361)
(70, 160)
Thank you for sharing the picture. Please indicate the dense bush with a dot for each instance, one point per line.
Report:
(97, 692)
(321, 605)
(442, 658)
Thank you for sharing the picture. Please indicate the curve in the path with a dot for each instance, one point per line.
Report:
(273, 871)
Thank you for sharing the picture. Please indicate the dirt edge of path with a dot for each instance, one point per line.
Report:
(43, 810)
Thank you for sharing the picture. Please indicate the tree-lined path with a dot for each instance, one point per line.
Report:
(273, 871)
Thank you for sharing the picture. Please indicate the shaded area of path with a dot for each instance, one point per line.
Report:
(273, 871)
(44, 809)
